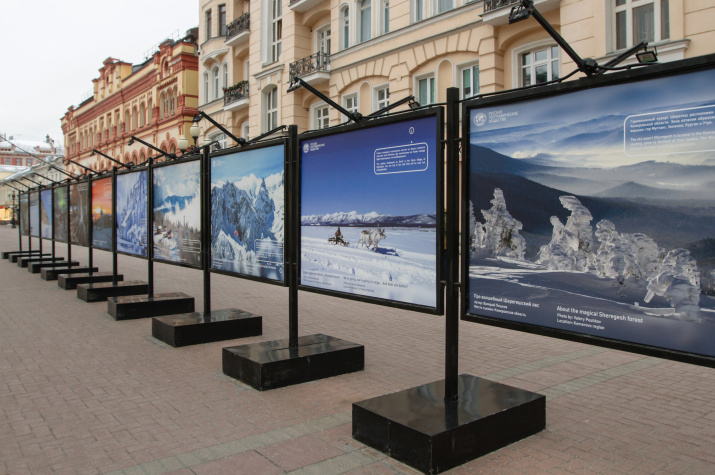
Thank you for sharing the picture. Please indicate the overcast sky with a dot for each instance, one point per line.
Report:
(55, 49)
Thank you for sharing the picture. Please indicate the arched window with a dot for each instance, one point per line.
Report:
(345, 27)
(224, 76)
(142, 115)
(169, 103)
(162, 103)
(127, 120)
(365, 15)
(150, 110)
(175, 100)
(206, 87)
(134, 118)
(172, 150)
(270, 109)
(215, 78)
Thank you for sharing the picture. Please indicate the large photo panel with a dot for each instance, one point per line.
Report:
(177, 213)
(247, 212)
(131, 212)
(79, 213)
(60, 214)
(46, 213)
(34, 214)
(102, 213)
(24, 214)
(370, 212)
(592, 211)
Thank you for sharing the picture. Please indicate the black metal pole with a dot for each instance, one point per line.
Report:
(292, 234)
(69, 224)
(451, 379)
(39, 219)
(29, 233)
(206, 228)
(51, 216)
(90, 228)
(114, 226)
(149, 227)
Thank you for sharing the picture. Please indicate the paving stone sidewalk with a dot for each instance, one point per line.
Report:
(82, 393)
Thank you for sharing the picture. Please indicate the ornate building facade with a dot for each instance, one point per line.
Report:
(154, 101)
(365, 54)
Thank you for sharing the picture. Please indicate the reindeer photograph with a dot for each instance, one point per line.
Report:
(368, 228)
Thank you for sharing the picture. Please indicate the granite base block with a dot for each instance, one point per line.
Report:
(71, 281)
(25, 261)
(196, 328)
(274, 364)
(7, 254)
(101, 291)
(36, 267)
(16, 257)
(171, 303)
(52, 273)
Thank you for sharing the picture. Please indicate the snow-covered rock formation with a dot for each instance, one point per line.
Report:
(499, 235)
(572, 243)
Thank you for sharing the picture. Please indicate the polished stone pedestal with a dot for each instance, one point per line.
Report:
(25, 261)
(7, 254)
(52, 273)
(417, 427)
(195, 328)
(170, 303)
(36, 267)
(71, 281)
(273, 364)
(16, 257)
(101, 291)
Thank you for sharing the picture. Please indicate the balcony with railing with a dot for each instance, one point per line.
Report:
(496, 12)
(238, 30)
(236, 96)
(313, 69)
(305, 5)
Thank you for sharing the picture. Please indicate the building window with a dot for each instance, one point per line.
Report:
(640, 20)
(321, 115)
(142, 115)
(244, 131)
(425, 90)
(365, 27)
(419, 10)
(208, 25)
(220, 138)
(444, 5)
(206, 87)
(224, 76)
(382, 97)
(469, 77)
(222, 20)
(276, 29)
(539, 66)
(350, 103)
(345, 27)
(323, 38)
(385, 16)
(215, 77)
(270, 109)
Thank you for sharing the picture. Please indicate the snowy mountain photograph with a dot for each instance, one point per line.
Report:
(79, 215)
(177, 213)
(46, 213)
(247, 212)
(34, 214)
(131, 212)
(60, 225)
(24, 214)
(598, 219)
(369, 214)
(102, 213)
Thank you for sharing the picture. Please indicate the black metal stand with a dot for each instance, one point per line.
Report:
(279, 363)
(101, 291)
(218, 325)
(437, 426)
(40, 256)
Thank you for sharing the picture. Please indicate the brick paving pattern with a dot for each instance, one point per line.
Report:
(82, 393)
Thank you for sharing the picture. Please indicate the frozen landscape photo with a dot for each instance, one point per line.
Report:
(131, 212)
(79, 214)
(599, 219)
(177, 213)
(247, 211)
(24, 214)
(369, 212)
(102, 213)
(46, 214)
(34, 214)
(60, 210)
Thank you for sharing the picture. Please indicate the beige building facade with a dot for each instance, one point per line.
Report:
(365, 54)
(154, 101)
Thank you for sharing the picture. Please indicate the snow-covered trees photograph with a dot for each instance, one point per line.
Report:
(34, 211)
(369, 227)
(571, 227)
(24, 214)
(60, 210)
(46, 213)
(247, 212)
(177, 213)
(131, 212)
(79, 214)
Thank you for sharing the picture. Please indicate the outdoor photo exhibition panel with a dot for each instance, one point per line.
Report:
(177, 212)
(60, 209)
(371, 211)
(102, 213)
(46, 213)
(24, 214)
(248, 196)
(34, 214)
(590, 210)
(79, 213)
(131, 212)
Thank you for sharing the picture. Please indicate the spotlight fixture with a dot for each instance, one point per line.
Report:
(646, 56)
(414, 105)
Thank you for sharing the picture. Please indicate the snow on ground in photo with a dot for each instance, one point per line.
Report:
(403, 269)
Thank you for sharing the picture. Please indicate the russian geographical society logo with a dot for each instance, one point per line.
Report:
(480, 119)
(306, 148)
